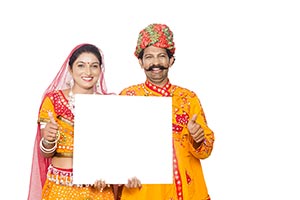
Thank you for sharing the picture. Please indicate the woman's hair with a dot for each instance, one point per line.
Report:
(63, 77)
(86, 48)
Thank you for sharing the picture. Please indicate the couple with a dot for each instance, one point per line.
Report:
(82, 72)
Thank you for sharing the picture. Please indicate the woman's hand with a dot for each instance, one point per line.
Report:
(50, 131)
(134, 183)
(100, 184)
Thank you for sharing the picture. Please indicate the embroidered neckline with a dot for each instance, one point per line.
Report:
(167, 90)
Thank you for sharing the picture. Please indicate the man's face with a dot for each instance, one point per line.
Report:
(156, 64)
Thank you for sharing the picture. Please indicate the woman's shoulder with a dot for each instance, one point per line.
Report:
(55, 94)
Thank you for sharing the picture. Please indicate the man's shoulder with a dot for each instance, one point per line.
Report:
(130, 88)
(183, 89)
(133, 86)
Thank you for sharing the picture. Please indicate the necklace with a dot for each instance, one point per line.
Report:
(71, 101)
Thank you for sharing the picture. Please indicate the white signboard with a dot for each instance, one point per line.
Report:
(119, 137)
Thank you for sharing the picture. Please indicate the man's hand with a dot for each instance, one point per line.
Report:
(195, 129)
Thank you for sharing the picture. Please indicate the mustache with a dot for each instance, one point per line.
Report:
(156, 66)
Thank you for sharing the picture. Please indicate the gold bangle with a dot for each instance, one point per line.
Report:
(45, 150)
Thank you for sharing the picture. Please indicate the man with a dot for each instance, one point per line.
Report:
(192, 138)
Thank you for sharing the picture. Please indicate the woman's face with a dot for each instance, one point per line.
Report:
(85, 71)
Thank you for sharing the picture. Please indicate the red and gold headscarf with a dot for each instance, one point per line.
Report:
(158, 35)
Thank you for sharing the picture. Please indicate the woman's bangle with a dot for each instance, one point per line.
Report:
(46, 150)
(47, 142)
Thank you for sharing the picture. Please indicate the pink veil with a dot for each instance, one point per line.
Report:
(40, 164)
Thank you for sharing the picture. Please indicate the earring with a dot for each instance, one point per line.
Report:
(96, 87)
(71, 83)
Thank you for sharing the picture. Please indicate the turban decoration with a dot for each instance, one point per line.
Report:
(158, 35)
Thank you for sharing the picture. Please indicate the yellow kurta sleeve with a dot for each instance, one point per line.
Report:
(205, 149)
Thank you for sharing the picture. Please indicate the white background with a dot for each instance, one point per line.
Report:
(240, 57)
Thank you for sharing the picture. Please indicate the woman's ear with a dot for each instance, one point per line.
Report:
(69, 69)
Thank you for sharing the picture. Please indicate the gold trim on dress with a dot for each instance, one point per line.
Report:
(43, 120)
(64, 154)
(65, 120)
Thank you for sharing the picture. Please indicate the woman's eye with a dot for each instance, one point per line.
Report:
(96, 66)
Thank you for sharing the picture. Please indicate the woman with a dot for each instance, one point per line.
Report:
(51, 175)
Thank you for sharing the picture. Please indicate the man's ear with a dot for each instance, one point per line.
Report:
(141, 63)
(172, 60)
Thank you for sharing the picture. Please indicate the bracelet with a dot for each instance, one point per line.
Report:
(52, 142)
(45, 150)
(47, 142)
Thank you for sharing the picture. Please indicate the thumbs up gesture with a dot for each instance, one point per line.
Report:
(195, 129)
(51, 129)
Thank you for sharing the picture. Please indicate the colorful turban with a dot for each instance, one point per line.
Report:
(158, 35)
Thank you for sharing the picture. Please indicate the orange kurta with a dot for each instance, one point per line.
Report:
(189, 182)
(59, 181)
